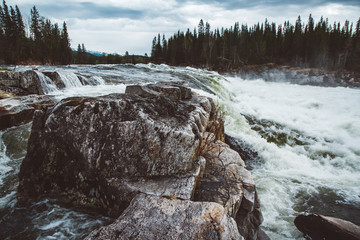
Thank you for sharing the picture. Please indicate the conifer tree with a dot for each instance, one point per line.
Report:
(311, 45)
(65, 46)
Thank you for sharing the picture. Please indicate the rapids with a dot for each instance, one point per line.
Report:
(307, 141)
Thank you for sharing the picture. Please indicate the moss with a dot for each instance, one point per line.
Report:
(4, 69)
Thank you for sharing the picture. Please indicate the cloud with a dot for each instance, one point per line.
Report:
(245, 4)
(123, 25)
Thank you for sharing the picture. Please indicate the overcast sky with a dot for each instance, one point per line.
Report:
(116, 26)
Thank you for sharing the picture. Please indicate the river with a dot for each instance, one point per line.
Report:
(307, 140)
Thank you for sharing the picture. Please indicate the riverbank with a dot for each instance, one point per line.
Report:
(303, 76)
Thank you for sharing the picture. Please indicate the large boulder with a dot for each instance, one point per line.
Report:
(25, 83)
(10, 83)
(150, 146)
(151, 217)
(101, 152)
(329, 228)
(36, 82)
(56, 78)
(10, 78)
(227, 182)
(19, 110)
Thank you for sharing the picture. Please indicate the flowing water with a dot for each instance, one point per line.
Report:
(307, 141)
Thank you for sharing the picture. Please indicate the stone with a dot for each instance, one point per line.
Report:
(56, 78)
(248, 222)
(262, 235)
(152, 217)
(226, 181)
(10, 78)
(245, 151)
(100, 152)
(221, 181)
(35, 82)
(10, 83)
(19, 110)
(168, 89)
(301, 76)
(329, 228)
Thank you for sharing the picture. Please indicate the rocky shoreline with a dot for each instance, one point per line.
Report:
(298, 75)
(154, 158)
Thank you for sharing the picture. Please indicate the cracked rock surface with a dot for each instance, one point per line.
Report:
(153, 217)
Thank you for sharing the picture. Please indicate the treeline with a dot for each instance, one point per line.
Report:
(81, 56)
(40, 42)
(313, 44)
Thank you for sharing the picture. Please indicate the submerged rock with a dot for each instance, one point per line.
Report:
(100, 152)
(329, 228)
(245, 151)
(19, 110)
(152, 217)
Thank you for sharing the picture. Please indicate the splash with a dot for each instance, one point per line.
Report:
(69, 79)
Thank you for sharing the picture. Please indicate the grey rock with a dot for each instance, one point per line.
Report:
(100, 152)
(221, 181)
(152, 217)
(168, 89)
(262, 235)
(301, 76)
(226, 181)
(10, 82)
(245, 151)
(56, 78)
(10, 78)
(36, 82)
(248, 222)
(329, 228)
(25, 83)
(19, 110)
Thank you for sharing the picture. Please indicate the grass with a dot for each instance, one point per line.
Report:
(4, 69)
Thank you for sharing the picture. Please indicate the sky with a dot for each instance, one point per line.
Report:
(117, 26)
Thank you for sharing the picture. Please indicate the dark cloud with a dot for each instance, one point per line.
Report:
(91, 10)
(243, 4)
(83, 10)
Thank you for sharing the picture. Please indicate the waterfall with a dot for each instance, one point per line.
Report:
(69, 79)
(46, 83)
(94, 80)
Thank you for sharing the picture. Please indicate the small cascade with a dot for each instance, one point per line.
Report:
(4, 159)
(95, 80)
(46, 83)
(69, 79)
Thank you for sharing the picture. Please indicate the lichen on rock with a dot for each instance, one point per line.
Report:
(157, 147)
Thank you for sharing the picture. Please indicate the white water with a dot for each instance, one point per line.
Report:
(307, 139)
(69, 79)
(89, 91)
(46, 83)
(326, 121)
